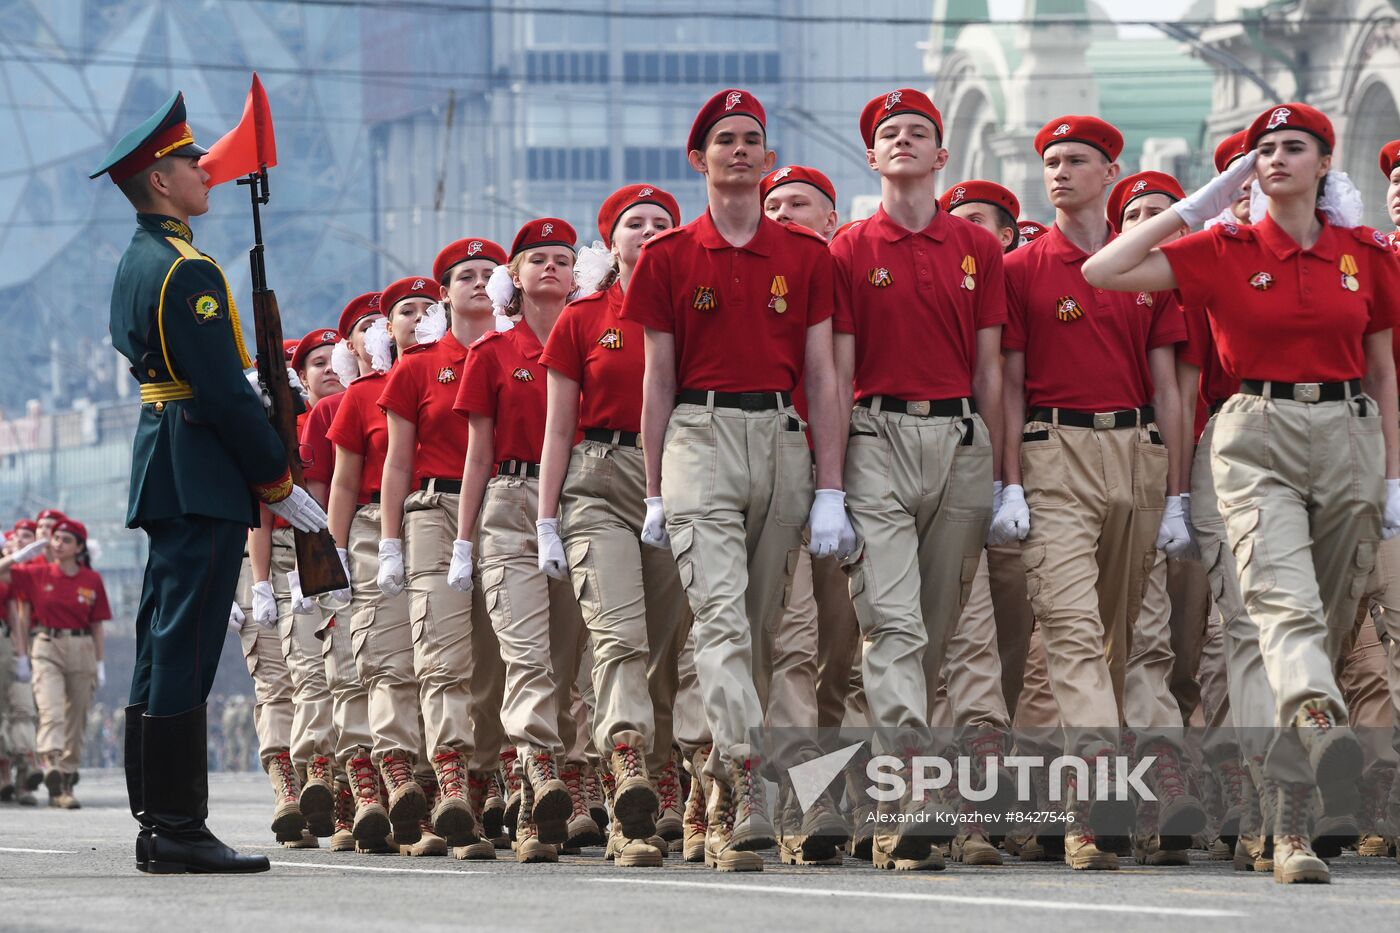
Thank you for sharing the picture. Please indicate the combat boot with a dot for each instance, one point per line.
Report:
(287, 819)
(487, 805)
(985, 750)
(1149, 847)
(1238, 794)
(862, 808)
(910, 834)
(1180, 814)
(371, 821)
(634, 800)
(973, 846)
(581, 829)
(53, 777)
(1375, 839)
(631, 853)
(720, 852)
(512, 775)
(750, 828)
(318, 796)
(1048, 841)
(407, 803)
(1082, 850)
(529, 849)
(429, 843)
(451, 813)
(307, 840)
(696, 823)
(551, 804)
(670, 822)
(343, 838)
(812, 838)
(1295, 862)
(1335, 755)
(66, 800)
(597, 792)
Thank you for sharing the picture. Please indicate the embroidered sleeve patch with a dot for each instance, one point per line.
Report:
(206, 308)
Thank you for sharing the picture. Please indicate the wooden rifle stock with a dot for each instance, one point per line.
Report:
(318, 564)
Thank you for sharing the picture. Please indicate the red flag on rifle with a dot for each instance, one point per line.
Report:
(247, 148)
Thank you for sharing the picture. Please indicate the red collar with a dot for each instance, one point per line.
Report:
(1282, 245)
(708, 235)
(891, 232)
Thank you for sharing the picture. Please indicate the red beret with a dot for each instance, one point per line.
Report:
(289, 350)
(73, 527)
(9, 534)
(1031, 229)
(984, 191)
(795, 173)
(1230, 149)
(727, 103)
(1292, 116)
(1091, 131)
(1390, 157)
(623, 199)
(462, 250)
(358, 308)
(904, 100)
(545, 231)
(320, 337)
(413, 286)
(1136, 186)
(54, 514)
(26, 524)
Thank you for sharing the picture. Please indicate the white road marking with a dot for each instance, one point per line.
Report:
(942, 898)
(402, 871)
(39, 851)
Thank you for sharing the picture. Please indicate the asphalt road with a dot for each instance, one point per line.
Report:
(72, 870)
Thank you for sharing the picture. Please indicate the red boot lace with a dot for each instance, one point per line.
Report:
(477, 787)
(396, 771)
(1170, 780)
(631, 760)
(344, 807)
(1320, 717)
(448, 766)
(366, 789)
(573, 780)
(546, 767)
(1233, 777)
(668, 787)
(286, 775)
(319, 769)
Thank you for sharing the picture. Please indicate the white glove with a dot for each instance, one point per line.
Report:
(459, 572)
(264, 605)
(1390, 520)
(301, 605)
(258, 389)
(654, 525)
(1193, 551)
(235, 619)
(101, 674)
(830, 526)
(22, 673)
(1216, 195)
(1012, 521)
(30, 551)
(300, 511)
(295, 382)
(1172, 535)
(336, 600)
(552, 560)
(391, 575)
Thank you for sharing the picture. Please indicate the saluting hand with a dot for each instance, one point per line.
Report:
(552, 560)
(1216, 195)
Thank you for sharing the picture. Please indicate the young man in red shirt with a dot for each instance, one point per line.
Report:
(737, 311)
(1090, 374)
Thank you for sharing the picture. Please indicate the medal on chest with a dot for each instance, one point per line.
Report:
(880, 277)
(969, 268)
(1068, 308)
(704, 299)
(446, 374)
(778, 290)
(1348, 267)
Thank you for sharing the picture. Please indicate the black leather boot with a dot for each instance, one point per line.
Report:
(131, 757)
(175, 783)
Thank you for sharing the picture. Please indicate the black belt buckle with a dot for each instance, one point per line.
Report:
(755, 401)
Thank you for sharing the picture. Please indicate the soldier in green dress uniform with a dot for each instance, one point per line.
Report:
(204, 456)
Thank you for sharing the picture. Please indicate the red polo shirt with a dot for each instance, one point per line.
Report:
(422, 388)
(904, 296)
(1282, 313)
(722, 302)
(64, 602)
(505, 379)
(1086, 348)
(361, 427)
(595, 347)
(317, 451)
(1215, 384)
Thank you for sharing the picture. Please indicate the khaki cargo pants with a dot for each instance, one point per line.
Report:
(737, 486)
(18, 717)
(1096, 499)
(631, 599)
(313, 720)
(1301, 487)
(272, 682)
(537, 623)
(65, 678)
(970, 695)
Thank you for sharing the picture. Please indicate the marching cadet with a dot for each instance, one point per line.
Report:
(736, 310)
(1092, 423)
(18, 716)
(174, 319)
(360, 434)
(1150, 711)
(46, 520)
(989, 206)
(591, 508)
(503, 397)
(913, 283)
(1304, 457)
(816, 663)
(445, 661)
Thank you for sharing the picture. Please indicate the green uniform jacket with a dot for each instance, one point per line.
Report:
(174, 320)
